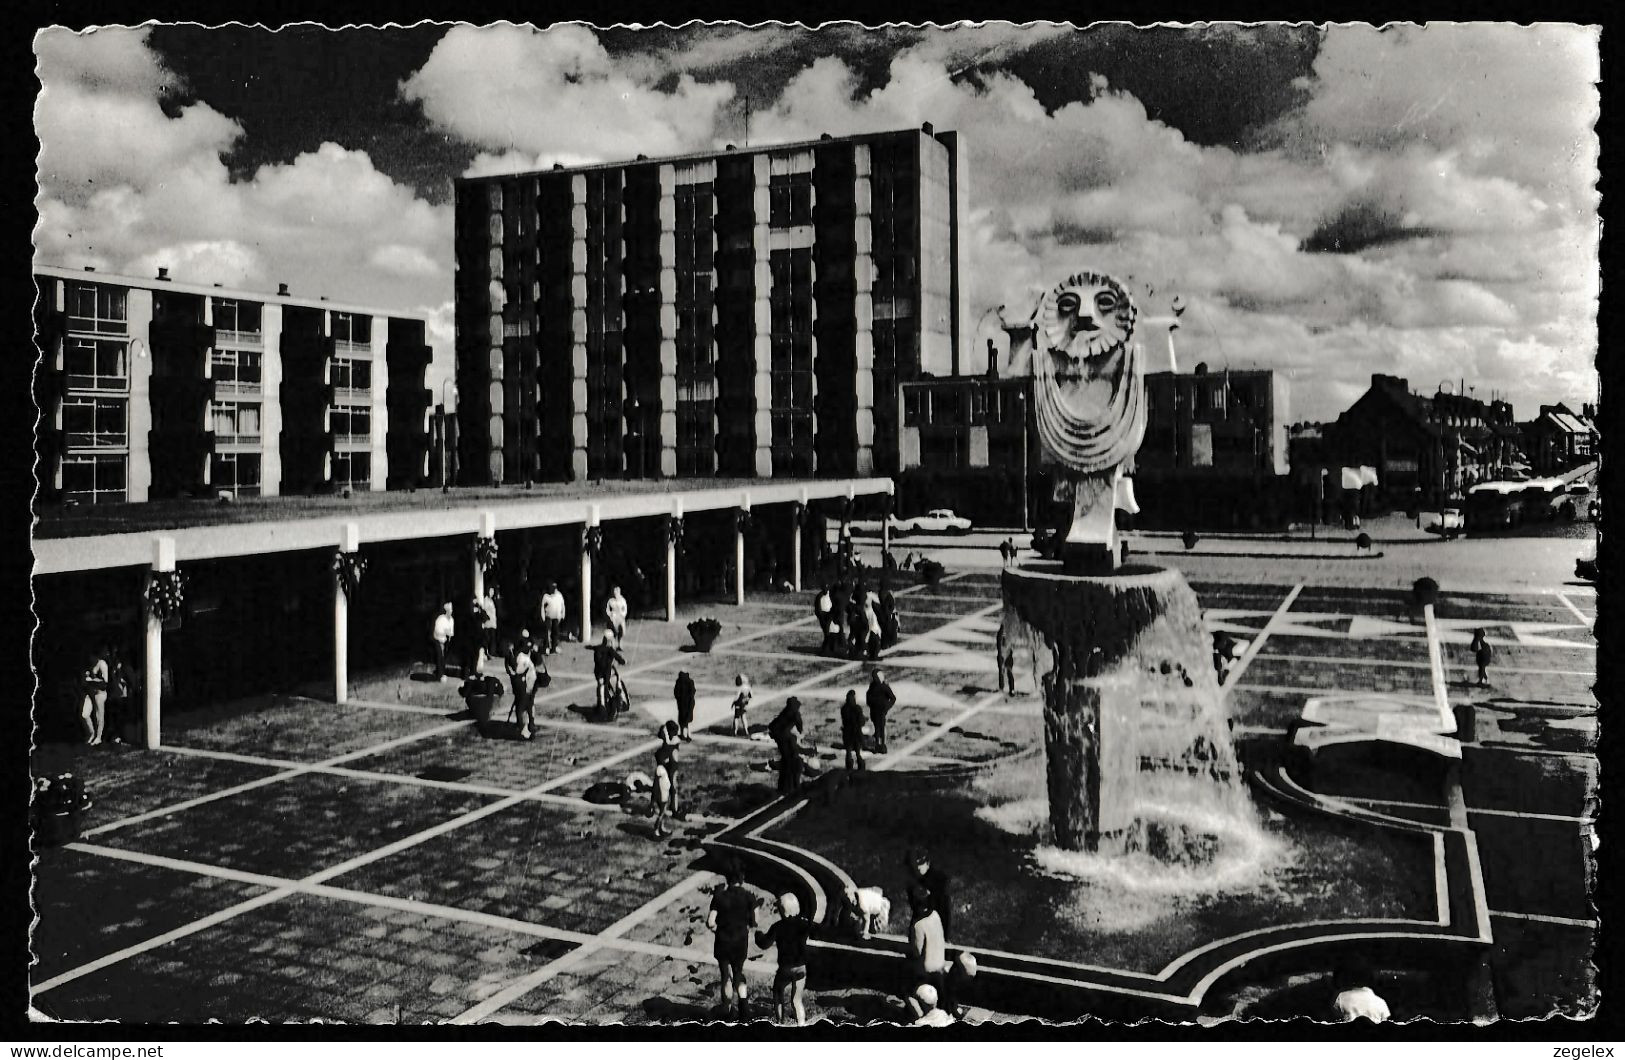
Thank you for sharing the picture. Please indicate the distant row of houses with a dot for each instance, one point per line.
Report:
(1218, 451)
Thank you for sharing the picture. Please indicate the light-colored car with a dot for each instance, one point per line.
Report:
(935, 521)
(1450, 523)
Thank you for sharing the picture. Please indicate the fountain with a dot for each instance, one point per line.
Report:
(1130, 874)
(1133, 722)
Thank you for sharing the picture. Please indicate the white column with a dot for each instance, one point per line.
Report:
(795, 541)
(739, 552)
(152, 687)
(762, 315)
(586, 580)
(271, 400)
(138, 467)
(863, 310)
(349, 541)
(668, 321)
(671, 564)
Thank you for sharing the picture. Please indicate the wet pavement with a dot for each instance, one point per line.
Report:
(381, 861)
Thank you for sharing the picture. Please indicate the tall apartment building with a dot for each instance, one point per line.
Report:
(746, 312)
(153, 388)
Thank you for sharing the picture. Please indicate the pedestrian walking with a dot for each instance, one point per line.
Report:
(121, 691)
(552, 618)
(732, 917)
(856, 625)
(665, 793)
(488, 622)
(1004, 552)
(93, 695)
(852, 730)
(615, 614)
(742, 696)
(683, 693)
(472, 641)
(999, 644)
(786, 732)
(880, 699)
(1482, 655)
(871, 620)
(927, 945)
(789, 936)
(445, 627)
(835, 639)
(890, 627)
(605, 656)
(1010, 669)
(524, 675)
(824, 610)
(935, 881)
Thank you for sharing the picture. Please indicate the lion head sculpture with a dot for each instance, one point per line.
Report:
(1087, 318)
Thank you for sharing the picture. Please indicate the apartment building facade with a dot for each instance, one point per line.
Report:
(151, 388)
(745, 312)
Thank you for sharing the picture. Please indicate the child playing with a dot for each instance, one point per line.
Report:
(1482, 654)
(741, 705)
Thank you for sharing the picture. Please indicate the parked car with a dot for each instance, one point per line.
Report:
(935, 521)
(1451, 522)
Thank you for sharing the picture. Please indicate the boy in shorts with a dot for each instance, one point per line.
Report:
(790, 936)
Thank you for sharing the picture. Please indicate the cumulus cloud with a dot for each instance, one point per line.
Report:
(557, 95)
(126, 187)
(1427, 209)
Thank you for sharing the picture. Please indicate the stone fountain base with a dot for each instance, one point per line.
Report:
(1129, 691)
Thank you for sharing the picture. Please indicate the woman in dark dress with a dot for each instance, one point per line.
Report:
(683, 692)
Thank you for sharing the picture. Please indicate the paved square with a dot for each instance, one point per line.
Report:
(383, 861)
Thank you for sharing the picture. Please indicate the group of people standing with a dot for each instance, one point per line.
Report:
(107, 692)
(941, 983)
(857, 621)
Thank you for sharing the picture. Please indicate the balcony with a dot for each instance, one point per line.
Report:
(347, 346)
(238, 340)
(238, 388)
(349, 395)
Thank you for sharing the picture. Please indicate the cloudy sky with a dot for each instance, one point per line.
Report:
(1327, 202)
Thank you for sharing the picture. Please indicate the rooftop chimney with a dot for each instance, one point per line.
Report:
(219, 285)
(322, 298)
(927, 128)
(642, 158)
(730, 147)
(825, 136)
(558, 165)
(163, 274)
(282, 289)
(90, 268)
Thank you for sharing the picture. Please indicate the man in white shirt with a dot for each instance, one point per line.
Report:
(552, 618)
(444, 629)
(615, 612)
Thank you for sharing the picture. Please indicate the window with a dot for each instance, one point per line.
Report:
(352, 329)
(1215, 399)
(93, 479)
(235, 369)
(351, 422)
(236, 318)
(93, 307)
(790, 199)
(351, 374)
(945, 451)
(236, 473)
(236, 423)
(93, 364)
(352, 469)
(95, 422)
